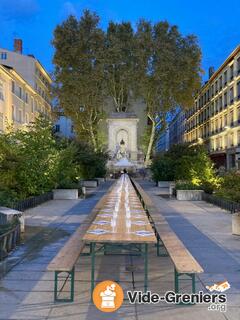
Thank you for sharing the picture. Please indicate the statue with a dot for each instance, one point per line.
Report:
(122, 152)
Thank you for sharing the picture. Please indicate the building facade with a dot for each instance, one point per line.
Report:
(173, 134)
(21, 100)
(29, 68)
(215, 117)
(64, 127)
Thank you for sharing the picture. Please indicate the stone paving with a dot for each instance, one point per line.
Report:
(26, 288)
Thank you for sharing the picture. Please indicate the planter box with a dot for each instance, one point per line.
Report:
(189, 195)
(100, 180)
(7, 215)
(89, 183)
(164, 184)
(65, 194)
(236, 224)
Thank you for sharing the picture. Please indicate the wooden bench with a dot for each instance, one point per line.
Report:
(64, 262)
(184, 263)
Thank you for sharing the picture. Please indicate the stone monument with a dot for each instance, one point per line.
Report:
(122, 142)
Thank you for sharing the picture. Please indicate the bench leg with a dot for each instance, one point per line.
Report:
(92, 246)
(71, 274)
(191, 276)
(159, 247)
(145, 267)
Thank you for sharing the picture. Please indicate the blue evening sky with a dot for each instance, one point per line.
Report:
(216, 23)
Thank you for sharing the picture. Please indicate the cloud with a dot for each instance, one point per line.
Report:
(18, 10)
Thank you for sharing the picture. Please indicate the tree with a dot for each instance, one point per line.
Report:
(167, 69)
(79, 73)
(119, 63)
(28, 159)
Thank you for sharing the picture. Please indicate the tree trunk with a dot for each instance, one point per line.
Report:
(94, 142)
(150, 144)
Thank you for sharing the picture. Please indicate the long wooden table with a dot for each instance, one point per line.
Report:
(140, 234)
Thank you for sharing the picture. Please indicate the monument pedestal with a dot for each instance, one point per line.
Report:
(122, 142)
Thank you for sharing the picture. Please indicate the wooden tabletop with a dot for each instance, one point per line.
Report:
(120, 234)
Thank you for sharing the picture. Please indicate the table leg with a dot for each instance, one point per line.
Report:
(146, 267)
(92, 250)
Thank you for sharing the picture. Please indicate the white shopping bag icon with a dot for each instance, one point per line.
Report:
(108, 297)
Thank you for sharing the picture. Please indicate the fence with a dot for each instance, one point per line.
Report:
(9, 240)
(32, 202)
(222, 203)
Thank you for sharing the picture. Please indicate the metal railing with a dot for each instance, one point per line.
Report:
(222, 203)
(32, 202)
(9, 240)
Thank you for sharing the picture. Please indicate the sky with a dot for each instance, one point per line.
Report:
(215, 23)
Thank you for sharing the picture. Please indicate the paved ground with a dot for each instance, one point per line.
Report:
(26, 287)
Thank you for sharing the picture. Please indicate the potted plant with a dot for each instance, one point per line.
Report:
(236, 223)
(188, 191)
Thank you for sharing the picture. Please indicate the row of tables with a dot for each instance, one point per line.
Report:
(121, 222)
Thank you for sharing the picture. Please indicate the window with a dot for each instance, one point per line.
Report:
(13, 86)
(57, 128)
(225, 99)
(26, 97)
(238, 137)
(27, 118)
(230, 137)
(212, 90)
(231, 118)
(3, 55)
(20, 92)
(13, 113)
(220, 103)
(216, 106)
(216, 87)
(1, 91)
(231, 95)
(238, 89)
(238, 65)
(225, 120)
(220, 123)
(225, 141)
(220, 142)
(20, 116)
(216, 125)
(32, 105)
(225, 77)
(238, 114)
(220, 83)
(231, 72)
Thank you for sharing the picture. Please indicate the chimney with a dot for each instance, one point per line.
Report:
(18, 45)
(210, 72)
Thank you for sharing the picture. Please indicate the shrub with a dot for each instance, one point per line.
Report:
(33, 162)
(187, 163)
(187, 186)
(163, 169)
(230, 186)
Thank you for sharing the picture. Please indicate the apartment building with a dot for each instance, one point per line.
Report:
(21, 100)
(215, 117)
(20, 104)
(29, 68)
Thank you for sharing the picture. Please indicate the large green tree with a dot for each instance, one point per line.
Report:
(119, 64)
(79, 72)
(167, 71)
(155, 62)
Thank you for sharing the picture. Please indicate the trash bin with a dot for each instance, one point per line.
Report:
(236, 223)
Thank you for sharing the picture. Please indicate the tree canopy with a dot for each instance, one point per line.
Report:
(153, 62)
